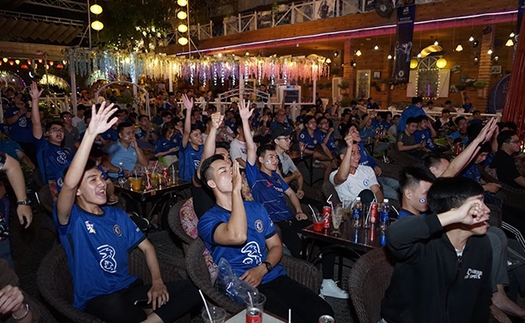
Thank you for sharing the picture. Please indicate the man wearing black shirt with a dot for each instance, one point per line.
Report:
(503, 161)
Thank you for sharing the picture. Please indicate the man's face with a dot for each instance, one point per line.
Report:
(283, 142)
(481, 158)
(355, 134)
(127, 135)
(166, 119)
(462, 125)
(312, 124)
(280, 117)
(356, 156)
(224, 152)
(513, 144)
(92, 188)
(424, 124)
(396, 121)
(222, 176)
(68, 119)
(144, 121)
(412, 127)
(196, 137)
(416, 197)
(56, 134)
(445, 115)
(270, 160)
(324, 125)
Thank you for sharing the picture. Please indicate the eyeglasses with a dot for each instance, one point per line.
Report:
(514, 142)
(56, 130)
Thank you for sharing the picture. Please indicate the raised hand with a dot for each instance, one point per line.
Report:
(216, 120)
(188, 103)
(99, 121)
(35, 93)
(244, 110)
(236, 177)
(472, 212)
(349, 140)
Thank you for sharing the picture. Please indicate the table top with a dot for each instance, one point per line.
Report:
(359, 239)
(180, 185)
(267, 318)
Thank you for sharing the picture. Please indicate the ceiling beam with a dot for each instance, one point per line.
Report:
(56, 20)
(69, 5)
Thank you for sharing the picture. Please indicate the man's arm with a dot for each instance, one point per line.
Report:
(24, 159)
(255, 275)
(299, 215)
(520, 181)
(377, 192)
(16, 179)
(235, 231)
(402, 147)
(66, 198)
(344, 169)
(188, 104)
(158, 294)
(35, 114)
(246, 113)
(141, 157)
(209, 145)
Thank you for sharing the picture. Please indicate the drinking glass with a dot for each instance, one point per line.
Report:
(217, 315)
(337, 217)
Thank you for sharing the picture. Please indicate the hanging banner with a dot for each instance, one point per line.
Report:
(521, 8)
(403, 50)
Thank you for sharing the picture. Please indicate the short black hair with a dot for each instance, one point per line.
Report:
(473, 130)
(396, 116)
(417, 99)
(222, 144)
(420, 118)
(485, 148)
(411, 120)
(207, 170)
(123, 125)
(64, 113)
(142, 116)
(458, 119)
(451, 192)
(504, 137)
(55, 122)
(307, 119)
(166, 113)
(448, 102)
(261, 151)
(432, 160)
(81, 107)
(410, 176)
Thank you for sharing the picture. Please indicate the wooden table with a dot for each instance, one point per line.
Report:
(267, 318)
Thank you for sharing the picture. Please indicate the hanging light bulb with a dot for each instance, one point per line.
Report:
(51, 63)
(419, 55)
(5, 59)
(389, 56)
(97, 25)
(183, 41)
(182, 3)
(471, 38)
(496, 58)
(376, 47)
(328, 61)
(459, 48)
(182, 28)
(247, 53)
(96, 9)
(489, 51)
(436, 42)
(182, 15)
(512, 34)
(358, 53)
(509, 43)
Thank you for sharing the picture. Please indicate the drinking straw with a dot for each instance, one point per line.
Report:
(250, 298)
(155, 167)
(135, 174)
(289, 315)
(328, 199)
(313, 213)
(206, 305)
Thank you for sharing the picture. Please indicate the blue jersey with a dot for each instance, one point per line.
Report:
(189, 160)
(250, 254)
(411, 111)
(456, 135)
(54, 159)
(404, 213)
(97, 248)
(376, 124)
(424, 135)
(120, 154)
(10, 147)
(110, 134)
(367, 132)
(269, 191)
(331, 141)
(472, 172)
(22, 129)
(366, 159)
(309, 141)
(164, 144)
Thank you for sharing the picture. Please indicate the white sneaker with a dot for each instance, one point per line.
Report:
(330, 288)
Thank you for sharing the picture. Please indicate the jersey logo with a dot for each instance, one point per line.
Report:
(366, 182)
(61, 157)
(473, 274)
(117, 230)
(90, 227)
(268, 184)
(253, 253)
(259, 226)
(108, 262)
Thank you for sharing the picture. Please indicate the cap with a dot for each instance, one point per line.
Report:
(280, 131)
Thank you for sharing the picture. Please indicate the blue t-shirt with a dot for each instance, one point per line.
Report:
(467, 107)
(250, 254)
(376, 124)
(331, 141)
(404, 213)
(164, 144)
(189, 160)
(386, 125)
(10, 147)
(110, 134)
(121, 154)
(269, 191)
(366, 159)
(54, 159)
(411, 111)
(472, 172)
(424, 135)
(97, 248)
(22, 129)
(456, 135)
(309, 141)
(367, 132)
(475, 121)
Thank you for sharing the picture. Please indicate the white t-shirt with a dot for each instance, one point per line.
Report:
(364, 178)
(238, 150)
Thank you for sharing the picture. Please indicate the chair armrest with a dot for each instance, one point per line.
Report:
(302, 272)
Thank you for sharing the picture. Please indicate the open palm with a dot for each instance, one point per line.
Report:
(244, 110)
(99, 121)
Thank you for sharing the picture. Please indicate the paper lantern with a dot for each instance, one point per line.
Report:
(441, 63)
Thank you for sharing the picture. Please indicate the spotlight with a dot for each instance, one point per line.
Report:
(96, 9)
(436, 42)
(182, 15)
(182, 3)
(459, 48)
(509, 43)
(512, 34)
(183, 41)
(353, 64)
(471, 38)
(336, 53)
(358, 53)
(389, 56)
(489, 51)
(376, 47)
(182, 28)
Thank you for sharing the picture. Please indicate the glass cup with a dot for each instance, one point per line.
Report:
(136, 183)
(254, 306)
(337, 217)
(217, 315)
(318, 222)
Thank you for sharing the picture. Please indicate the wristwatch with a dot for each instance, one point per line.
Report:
(269, 266)
(24, 202)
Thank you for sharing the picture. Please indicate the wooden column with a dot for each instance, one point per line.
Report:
(349, 71)
(485, 63)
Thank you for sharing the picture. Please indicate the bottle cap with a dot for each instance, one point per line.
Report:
(385, 200)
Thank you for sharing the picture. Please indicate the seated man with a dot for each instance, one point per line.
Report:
(311, 142)
(461, 134)
(443, 260)
(425, 132)
(145, 135)
(414, 182)
(406, 142)
(125, 150)
(97, 241)
(503, 162)
(243, 233)
(351, 177)
(443, 123)
(287, 169)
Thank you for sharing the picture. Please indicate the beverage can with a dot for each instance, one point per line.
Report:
(148, 181)
(253, 315)
(165, 176)
(373, 212)
(326, 319)
(327, 216)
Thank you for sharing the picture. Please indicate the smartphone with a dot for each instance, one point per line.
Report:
(142, 303)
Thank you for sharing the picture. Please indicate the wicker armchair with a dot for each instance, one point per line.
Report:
(56, 284)
(299, 270)
(176, 224)
(368, 281)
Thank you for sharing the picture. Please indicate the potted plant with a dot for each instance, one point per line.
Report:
(481, 88)
(345, 103)
(344, 85)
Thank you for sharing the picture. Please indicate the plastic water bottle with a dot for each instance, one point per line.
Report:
(357, 213)
(384, 215)
(121, 177)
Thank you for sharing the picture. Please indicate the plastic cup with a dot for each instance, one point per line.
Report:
(136, 183)
(318, 223)
(254, 306)
(217, 315)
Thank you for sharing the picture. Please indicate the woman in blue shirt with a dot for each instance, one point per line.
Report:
(167, 145)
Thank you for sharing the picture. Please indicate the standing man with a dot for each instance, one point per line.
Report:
(71, 133)
(78, 120)
(416, 109)
(191, 146)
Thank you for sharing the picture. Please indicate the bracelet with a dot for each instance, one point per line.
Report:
(23, 316)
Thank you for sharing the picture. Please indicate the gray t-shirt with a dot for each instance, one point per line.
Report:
(288, 166)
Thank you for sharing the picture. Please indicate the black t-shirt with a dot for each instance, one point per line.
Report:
(505, 168)
(203, 198)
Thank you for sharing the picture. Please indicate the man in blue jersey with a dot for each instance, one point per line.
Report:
(311, 142)
(191, 146)
(461, 134)
(414, 183)
(243, 233)
(52, 158)
(18, 117)
(97, 241)
(269, 189)
(145, 135)
(416, 109)
(425, 132)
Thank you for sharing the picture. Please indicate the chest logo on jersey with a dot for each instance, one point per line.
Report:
(90, 227)
(61, 157)
(117, 230)
(108, 262)
(259, 226)
(473, 274)
(366, 182)
(252, 252)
